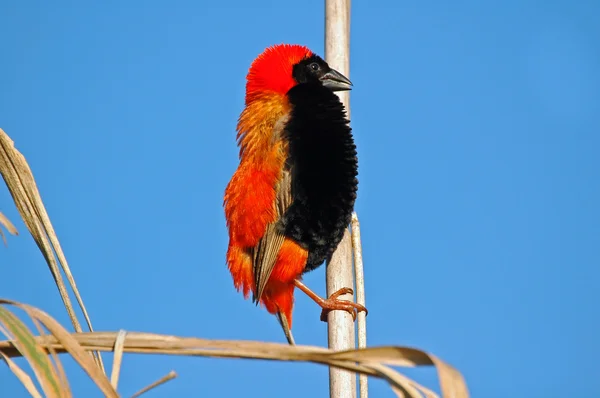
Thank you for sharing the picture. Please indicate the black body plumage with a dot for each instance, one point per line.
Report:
(323, 163)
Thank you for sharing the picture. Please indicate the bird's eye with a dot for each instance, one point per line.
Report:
(314, 66)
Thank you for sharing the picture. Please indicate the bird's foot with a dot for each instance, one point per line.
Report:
(334, 303)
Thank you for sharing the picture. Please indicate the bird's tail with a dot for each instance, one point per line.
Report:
(285, 326)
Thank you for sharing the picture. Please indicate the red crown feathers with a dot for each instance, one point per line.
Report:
(272, 70)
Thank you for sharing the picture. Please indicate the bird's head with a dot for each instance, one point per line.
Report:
(281, 67)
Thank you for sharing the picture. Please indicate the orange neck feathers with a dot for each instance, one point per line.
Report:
(259, 125)
(272, 70)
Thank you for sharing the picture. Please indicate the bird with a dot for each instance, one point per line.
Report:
(292, 195)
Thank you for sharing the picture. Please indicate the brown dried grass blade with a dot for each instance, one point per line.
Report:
(24, 341)
(410, 387)
(370, 361)
(5, 222)
(62, 377)
(451, 381)
(118, 358)
(21, 184)
(22, 376)
(170, 376)
(68, 344)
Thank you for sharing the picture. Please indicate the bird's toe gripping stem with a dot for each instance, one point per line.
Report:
(334, 303)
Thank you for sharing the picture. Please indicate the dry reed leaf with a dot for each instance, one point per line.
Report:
(21, 184)
(170, 376)
(117, 359)
(415, 389)
(451, 381)
(22, 376)
(370, 361)
(5, 222)
(68, 343)
(24, 341)
(402, 385)
(63, 382)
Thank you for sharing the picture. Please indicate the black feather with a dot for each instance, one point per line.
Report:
(323, 162)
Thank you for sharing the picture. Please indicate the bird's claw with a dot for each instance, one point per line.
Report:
(333, 303)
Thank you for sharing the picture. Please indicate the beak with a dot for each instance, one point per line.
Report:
(335, 81)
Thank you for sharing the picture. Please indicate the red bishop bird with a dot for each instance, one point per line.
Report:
(292, 196)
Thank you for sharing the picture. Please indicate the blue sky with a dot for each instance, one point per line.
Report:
(477, 130)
